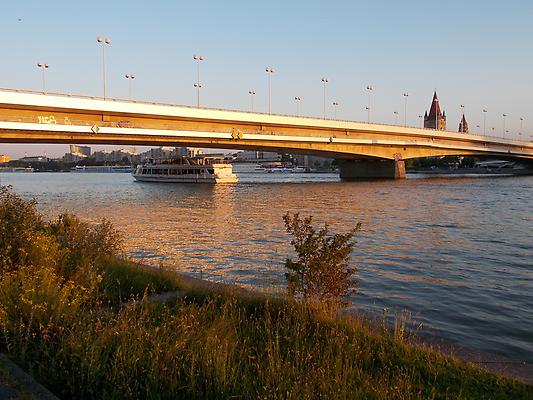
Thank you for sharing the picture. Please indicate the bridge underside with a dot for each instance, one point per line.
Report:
(327, 147)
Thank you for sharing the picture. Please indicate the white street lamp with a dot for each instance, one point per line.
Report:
(504, 116)
(405, 95)
(43, 67)
(129, 77)
(370, 88)
(335, 105)
(269, 71)
(297, 101)
(396, 117)
(252, 94)
(325, 81)
(198, 85)
(484, 120)
(103, 42)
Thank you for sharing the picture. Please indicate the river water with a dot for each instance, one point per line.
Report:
(455, 252)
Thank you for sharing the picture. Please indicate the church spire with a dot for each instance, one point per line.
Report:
(435, 119)
(435, 106)
(463, 125)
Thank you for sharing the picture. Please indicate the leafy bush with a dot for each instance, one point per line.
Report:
(320, 273)
(21, 232)
(66, 243)
(84, 246)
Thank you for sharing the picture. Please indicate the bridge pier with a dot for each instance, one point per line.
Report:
(371, 169)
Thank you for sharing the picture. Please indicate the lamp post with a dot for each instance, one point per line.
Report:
(198, 85)
(297, 101)
(44, 67)
(396, 116)
(103, 42)
(484, 120)
(504, 116)
(421, 122)
(252, 94)
(521, 125)
(405, 95)
(324, 81)
(370, 89)
(269, 71)
(335, 105)
(129, 77)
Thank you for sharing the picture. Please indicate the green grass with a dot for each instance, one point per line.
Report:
(124, 280)
(222, 346)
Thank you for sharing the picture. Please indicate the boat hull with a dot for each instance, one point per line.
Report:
(186, 179)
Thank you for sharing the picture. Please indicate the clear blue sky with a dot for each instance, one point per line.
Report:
(476, 53)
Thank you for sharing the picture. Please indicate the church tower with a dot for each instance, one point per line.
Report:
(435, 119)
(463, 125)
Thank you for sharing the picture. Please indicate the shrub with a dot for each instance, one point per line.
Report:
(84, 246)
(21, 227)
(320, 273)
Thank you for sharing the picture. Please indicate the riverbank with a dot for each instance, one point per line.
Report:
(205, 340)
(84, 324)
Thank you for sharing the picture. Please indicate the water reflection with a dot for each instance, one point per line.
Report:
(455, 252)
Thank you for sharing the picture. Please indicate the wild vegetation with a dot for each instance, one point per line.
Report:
(66, 316)
(320, 275)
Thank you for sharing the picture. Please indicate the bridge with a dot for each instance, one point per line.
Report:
(364, 150)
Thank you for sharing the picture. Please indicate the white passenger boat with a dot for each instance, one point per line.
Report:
(186, 170)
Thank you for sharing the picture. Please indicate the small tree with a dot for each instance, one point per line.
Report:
(320, 272)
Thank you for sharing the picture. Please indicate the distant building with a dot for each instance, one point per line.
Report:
(102, 155)
(114, 156)
(73, 158)
(77, 153)
(4, 158)
(187, 151)
(309, 161)
(250, 156)
(34, 159)
(435, 119)
(80, 150)
(463, 125)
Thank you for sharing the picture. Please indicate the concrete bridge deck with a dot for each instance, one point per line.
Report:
(29, 117)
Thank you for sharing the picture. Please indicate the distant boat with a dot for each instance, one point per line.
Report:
(285, 170)
(16, 169)
(278, 167)
(102, 168)
(498, 164)
(186, 170)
